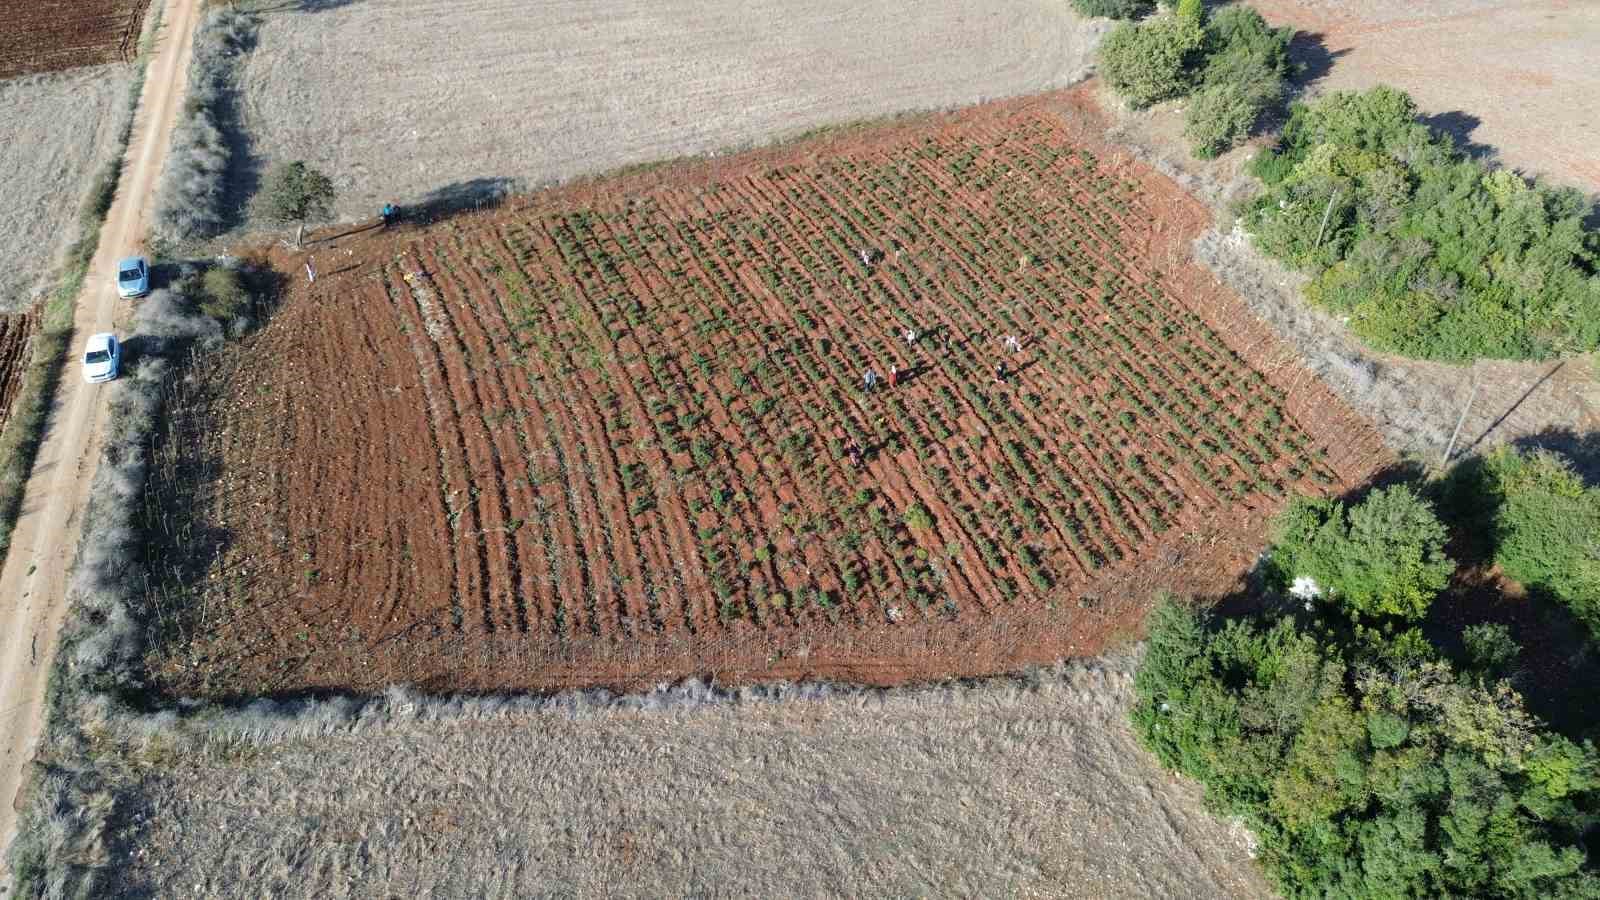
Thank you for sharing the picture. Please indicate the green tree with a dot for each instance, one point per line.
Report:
(1384, 557)
(295, 192)
(1153, 60)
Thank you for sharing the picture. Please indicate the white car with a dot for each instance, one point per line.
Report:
(102, 358)
(133, 277)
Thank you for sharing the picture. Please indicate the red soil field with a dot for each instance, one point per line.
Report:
(49, 35)
(16, 342)
(599, 437)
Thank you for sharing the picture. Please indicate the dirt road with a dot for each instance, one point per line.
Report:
(33, 582)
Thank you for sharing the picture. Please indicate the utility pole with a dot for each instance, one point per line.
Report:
(1450, 448)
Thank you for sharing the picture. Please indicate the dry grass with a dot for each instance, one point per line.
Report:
(56, 132)
(398, 99)
(1000, 790)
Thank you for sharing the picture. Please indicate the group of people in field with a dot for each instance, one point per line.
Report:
(872, 381)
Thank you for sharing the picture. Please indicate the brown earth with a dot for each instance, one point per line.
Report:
(16, 345)
(598, 437)
(49, 35)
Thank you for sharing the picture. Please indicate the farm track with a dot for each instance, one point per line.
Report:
(598, 437)
(34, 580)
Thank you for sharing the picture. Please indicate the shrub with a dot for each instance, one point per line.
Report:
(1429, 254)
(1544, 522)
(1245, 66)
(1490, 648)
(1153, 60)
(295, 192)
(190, 199)
(1114, 9)
(917, 517)
(1360, 776)
(1383, 557)
(223, 295)
(1221, 115)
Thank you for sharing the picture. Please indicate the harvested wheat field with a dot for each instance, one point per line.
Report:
(605, 436)
(56, 131)
(458, 99)
(995, 791)
(48, 35)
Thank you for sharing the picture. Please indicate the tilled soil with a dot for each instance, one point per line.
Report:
(603, 437)
(16, 340)
(49, 35)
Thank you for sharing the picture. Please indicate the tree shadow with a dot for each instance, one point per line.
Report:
(1582, 450)
(1459, 126)
(1310, 58)
(461, 197)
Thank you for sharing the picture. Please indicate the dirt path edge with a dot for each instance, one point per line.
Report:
(34, 579)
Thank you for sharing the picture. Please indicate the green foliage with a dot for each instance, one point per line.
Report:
(1245, 66)
(1363, 777)
(1428, 253)
(1114, 9)
(295, 192)
(223, 295)
(1490, 648)
(1543, 520)
(1153, 60)
(917, 517)
(1382, 558)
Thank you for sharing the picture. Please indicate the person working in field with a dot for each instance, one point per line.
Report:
(391, 214)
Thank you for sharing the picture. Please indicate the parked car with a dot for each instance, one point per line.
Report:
(102, 358)
(133, 277)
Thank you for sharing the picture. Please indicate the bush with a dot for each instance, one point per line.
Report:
(223, 295)
(190, 199)
(295, 192)
(1114, 9)
(1246, 63)
(1490, 648)
(1543, 521)
(1362, 777)
(1382, 558)
(1221, 115)
(1151, 61)
(1429, 254)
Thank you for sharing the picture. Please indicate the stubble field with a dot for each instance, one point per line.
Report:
(445, 99)
(48, 35)
(602, 437)
(997, 791)
(56, 131)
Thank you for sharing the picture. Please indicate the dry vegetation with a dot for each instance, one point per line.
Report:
(56, 133)
(360, 89)
(999, 790)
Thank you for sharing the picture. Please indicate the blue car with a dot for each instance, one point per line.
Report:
(133, 277)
